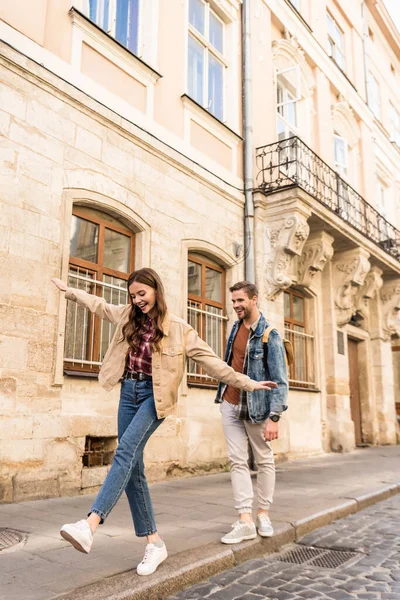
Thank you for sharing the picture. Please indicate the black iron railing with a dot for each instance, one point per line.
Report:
(291, 163)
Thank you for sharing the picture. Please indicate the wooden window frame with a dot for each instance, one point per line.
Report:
(289, 323)
(98, 269)
(203, 301)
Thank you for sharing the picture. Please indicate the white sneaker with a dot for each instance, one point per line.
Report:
(153, 557)
(241, 530)
(264, 525)
(79, 535)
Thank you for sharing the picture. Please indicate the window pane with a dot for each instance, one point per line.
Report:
(290, 113)
(194, 278)
(287, 305)
(115, 292)
(79, 332)
(298, 308)
(213, 285)
(216, 33)
(215, 87)
(214, 329)
(84, 239)
(196, 14)
(195, 70)
(300, 353)
(127, 22)
(340, 152)
(116, 250)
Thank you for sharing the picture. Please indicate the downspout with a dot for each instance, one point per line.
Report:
(364, 44)
(247, 146)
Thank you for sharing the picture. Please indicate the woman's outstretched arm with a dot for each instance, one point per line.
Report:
(99, 306)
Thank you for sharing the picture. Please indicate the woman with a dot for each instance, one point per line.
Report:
(148, 354)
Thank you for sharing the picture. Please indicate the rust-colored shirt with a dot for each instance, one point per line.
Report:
(232, 395)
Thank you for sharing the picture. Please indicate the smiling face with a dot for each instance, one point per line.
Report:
(245, 307)
(144, 297)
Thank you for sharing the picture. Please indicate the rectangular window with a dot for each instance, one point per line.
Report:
(302, 371)
(335, 42)
(119, 18)
(341, 154)
(206, 62)
(101, 258)
(288, 94)
(206, 310)
(374, 97)
(394, 117)
(99, 451)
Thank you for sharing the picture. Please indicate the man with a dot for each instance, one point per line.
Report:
(252, 418)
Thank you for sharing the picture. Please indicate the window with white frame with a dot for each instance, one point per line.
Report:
(206, 62)
(119, 18)
(381, 197)
(296, 4)
(288, 95)
(335, 42)
(374, 97)
(394, 117)
(341, 152)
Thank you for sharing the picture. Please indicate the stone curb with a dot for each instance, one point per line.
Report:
(191, 567)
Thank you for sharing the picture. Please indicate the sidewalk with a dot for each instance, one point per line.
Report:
(191, 514)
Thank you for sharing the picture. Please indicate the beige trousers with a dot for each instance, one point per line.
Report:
(238, 435)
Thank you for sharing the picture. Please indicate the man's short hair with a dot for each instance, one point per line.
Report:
(250, 289)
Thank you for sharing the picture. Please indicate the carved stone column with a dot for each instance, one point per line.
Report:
(384, 312)
(350, 270)
(317, 252)
(285, 236)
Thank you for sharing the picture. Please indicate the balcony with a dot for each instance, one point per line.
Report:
(291, 163)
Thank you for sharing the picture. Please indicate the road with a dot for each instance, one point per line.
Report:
(368, 542)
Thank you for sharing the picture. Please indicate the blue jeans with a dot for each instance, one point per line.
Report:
(137, 420)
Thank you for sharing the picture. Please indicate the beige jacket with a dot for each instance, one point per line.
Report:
(180, 342)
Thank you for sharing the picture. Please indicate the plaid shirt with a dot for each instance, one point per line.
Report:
(140, 361)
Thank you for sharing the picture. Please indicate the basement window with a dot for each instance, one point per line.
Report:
(99, 451)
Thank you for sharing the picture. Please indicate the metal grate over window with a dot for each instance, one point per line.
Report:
(99, 451)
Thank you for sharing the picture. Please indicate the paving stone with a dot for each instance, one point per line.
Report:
(236, 590)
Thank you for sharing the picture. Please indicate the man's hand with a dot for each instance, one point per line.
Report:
(265, 385)
(60, 284)
(271, 430)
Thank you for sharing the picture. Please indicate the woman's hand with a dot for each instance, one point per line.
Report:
(265, 385)
(60, 284)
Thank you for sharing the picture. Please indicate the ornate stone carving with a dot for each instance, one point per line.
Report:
(317, 252)
(283, 242)
(351, 268)
(390, 296)
(372, 284)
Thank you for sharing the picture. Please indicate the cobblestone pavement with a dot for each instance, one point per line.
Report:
(373, 574)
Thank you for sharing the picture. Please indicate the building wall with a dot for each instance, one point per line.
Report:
(87, 123)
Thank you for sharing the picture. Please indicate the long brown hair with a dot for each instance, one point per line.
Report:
(133, 329)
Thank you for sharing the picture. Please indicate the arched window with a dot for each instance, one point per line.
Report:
(206, 309)
(101, 259)
(302, 371)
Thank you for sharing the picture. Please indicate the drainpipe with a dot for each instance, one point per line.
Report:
(247, 146)
(364, 43)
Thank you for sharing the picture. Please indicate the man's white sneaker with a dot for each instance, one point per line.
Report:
(241, 530)
(79, 535)
(264, 525)
(153, 557)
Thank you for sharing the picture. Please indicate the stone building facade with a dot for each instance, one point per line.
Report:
(122, 147)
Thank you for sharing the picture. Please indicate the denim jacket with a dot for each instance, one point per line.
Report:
(260, 402)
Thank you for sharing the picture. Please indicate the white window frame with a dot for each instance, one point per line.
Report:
(381, 196)
(338, 53)
(342, 169)
(394, 117)
(288, 98)
(374, 95)
(112, 21)
(208, 49)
